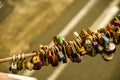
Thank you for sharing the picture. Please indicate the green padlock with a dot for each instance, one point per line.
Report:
(60, 39)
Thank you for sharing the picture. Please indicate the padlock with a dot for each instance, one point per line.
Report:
(106, 41)
(38, 65)
(60, 54)
(65, 54)
(46, 57)
(35, 59)
(108, 34)
(75, 55)
(94, 48)
(41, 46)
(78, 42)
(23, 61)
(54, 57)
(88, 45)
(99, 38)
(111, 48)
(95, 44)
(72, 47)
(109, 27)
(30, 66)
(89, 30)
(49, 56)
(42, 55)
(76, 35)
(116, 35)
(60, 39)
(93, 52)
(68, 48)
(19, 63)
(83, 51)
(55, 40)
(100, 49)
(71, 58)
(13, 67)
(117, 23)
(102, 30)
(113, 20)
(94, 37)
(83, 33)
(76, 47)
(118, 17)
(75, 58)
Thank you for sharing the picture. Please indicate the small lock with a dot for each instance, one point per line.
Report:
(60, 54)
(30, 66)
(100, 48)
(78, 42)
(14, 65)
(68, 48)
(72, 47)
(19, 63)
(35, 59)
(38, 65)
(55, 40)
(106, 42)
(65, 54)
(93, 52)
(109, 27)
(89, 30)
(83, 51)
(83, 33)
(54, 61)
(14, 68)
(118, 17)
(88, 45)
(23, 61)
(60, 39)
(111, 48)
(76, 58)
(54, 57)
(99, 38)
(46, 57)
(76, 35)
(76, 47)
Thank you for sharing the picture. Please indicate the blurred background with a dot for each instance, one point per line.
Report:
(24, 24)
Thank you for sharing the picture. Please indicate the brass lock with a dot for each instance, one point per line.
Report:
(30, 66)
(23, 62)
(36, 58)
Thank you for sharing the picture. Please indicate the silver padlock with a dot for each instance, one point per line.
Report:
(14, 65)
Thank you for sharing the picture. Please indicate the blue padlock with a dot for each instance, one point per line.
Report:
(118, 16)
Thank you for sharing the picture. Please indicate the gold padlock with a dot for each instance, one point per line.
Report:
(83, 51)
(76, 46)
(23, 62)
(83, 33)
(88, 45)
(30, 66)
(99, 38)
(36, 58)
